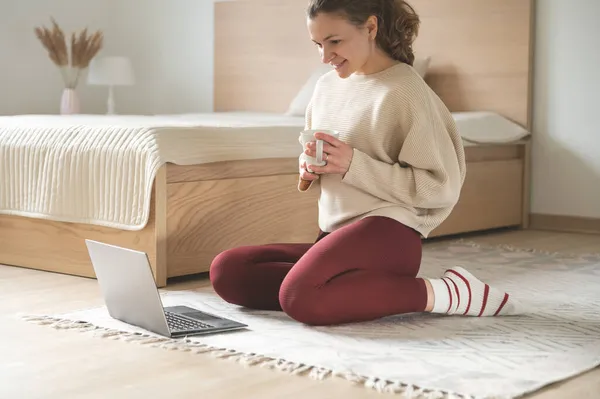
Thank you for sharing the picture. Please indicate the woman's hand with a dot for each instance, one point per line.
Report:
(336, 154)
(304, 173)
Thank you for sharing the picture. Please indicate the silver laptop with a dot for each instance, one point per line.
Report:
(130, 293)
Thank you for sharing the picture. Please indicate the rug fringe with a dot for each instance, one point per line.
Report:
(245, 359)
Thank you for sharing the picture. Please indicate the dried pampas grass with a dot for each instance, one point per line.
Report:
(73, 59)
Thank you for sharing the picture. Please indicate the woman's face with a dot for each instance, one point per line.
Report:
(341, 44)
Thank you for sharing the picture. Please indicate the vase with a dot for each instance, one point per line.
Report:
(69, 103)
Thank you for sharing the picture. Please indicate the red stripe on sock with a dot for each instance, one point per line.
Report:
(468, 288)
(486, 291)
(502, 304)
(449, 293)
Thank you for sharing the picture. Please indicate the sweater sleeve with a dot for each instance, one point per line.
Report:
(430, 168)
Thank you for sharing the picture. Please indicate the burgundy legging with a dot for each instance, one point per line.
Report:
(361, 272)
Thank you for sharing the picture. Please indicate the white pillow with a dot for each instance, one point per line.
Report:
(421, 65)
(300, 102)
(488, 127)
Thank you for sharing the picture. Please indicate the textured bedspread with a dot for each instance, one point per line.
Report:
(100, 169)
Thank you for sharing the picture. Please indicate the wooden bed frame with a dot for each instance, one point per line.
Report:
(478, 63)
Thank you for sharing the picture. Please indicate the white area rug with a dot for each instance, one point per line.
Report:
(419, 355)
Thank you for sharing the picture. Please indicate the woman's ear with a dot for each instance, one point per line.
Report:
(371, 26)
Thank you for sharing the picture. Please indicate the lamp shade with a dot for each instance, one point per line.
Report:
(111, 71)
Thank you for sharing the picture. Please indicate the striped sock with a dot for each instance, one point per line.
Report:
(459, 292)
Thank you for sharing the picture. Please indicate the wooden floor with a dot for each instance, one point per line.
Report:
(40, 362)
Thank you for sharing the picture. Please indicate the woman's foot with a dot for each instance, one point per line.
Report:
(459, 292)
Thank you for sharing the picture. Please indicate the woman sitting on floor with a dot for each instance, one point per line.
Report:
(393, 176)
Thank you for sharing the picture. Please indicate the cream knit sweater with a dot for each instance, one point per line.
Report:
(408, 161)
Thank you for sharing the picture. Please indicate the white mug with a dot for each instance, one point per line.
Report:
(308, 136)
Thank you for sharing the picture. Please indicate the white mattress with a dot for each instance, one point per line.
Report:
(237, 119)
(99, 169)
(474, 127)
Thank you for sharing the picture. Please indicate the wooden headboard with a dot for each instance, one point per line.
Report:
(481, 54)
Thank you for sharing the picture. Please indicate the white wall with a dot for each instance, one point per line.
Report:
(171, 46)
(170, 43)
(29, 81)
(566, 139)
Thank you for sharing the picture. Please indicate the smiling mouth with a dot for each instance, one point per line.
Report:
(338, 66)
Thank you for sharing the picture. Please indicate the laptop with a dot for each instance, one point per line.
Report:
(131, 296)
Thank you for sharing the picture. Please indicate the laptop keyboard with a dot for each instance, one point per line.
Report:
(179, 323)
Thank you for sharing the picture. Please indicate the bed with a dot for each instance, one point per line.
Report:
(206, 182)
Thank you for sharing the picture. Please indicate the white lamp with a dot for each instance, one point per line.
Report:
(111, 71)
